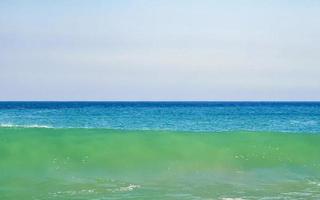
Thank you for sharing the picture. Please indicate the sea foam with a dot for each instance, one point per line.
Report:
(24, 126)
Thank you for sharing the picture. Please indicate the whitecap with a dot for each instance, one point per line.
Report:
(129, 188)
(24, 126)
(314, 183)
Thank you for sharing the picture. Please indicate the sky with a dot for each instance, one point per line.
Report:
(145, 50)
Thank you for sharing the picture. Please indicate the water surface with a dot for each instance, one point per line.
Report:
(159, 150)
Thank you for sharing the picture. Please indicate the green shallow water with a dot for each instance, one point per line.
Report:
(39, 163)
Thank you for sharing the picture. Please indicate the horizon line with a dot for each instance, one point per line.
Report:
(173, 101)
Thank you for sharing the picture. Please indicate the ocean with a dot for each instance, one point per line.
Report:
(160, 150)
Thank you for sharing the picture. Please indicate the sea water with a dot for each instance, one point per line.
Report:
(159, 150)
(174, 116)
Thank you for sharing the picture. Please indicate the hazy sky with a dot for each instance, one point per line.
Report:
(160, 50)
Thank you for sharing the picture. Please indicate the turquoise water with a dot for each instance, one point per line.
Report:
(39, 163)
(227, 151)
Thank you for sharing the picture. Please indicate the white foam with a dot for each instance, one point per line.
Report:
(314, 183)
(24, 126)
(129, 188)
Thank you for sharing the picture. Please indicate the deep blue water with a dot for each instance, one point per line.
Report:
(180, 116)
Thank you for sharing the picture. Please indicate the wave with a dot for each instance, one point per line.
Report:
(305, 123)
(24, 126)
(129, 130)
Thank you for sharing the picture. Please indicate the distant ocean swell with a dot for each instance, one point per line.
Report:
(295, 117)
(42, 163)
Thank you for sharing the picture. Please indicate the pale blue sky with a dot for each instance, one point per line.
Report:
(160, 50)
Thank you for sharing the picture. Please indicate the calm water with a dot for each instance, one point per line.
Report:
(225, 151)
